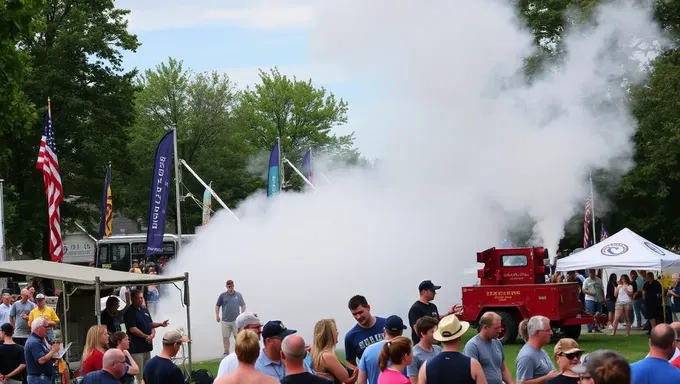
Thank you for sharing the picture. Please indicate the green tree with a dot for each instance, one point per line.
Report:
(199, 106)
(17, 21)
(297, 112)
(647, 200)
(77, 61)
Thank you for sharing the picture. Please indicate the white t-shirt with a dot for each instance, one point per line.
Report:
(227, 365)
(623, 298)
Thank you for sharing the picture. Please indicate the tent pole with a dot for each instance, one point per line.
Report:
(97, 300)
(64, 324)
(187, 302)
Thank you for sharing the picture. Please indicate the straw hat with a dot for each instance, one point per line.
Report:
(450, 328)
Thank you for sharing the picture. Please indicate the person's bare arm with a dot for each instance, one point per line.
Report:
(361, 379)
(505, 374)
(49, 355)
(477, 372)
(217, 313)
(333, 366)
(134, 368)
(422, 376)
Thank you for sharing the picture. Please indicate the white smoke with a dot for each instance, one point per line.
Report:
(466, 140)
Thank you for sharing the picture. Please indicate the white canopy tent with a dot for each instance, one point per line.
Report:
(625, 249)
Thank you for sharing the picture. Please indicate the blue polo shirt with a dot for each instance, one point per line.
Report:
(141, 319)
(99, 377)
(651, 370)
(275, 370)
(36, 348)
(369, 362)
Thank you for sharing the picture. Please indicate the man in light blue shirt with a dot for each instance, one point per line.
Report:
(269, 362)
(368, 364)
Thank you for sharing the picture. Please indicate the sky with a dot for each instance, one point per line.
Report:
(238, 38)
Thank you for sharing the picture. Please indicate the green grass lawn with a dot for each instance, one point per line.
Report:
(633, 347)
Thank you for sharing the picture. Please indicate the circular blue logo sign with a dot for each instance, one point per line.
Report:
(614, 249)
(654, 248)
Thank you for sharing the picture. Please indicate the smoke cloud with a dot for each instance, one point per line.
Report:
(468, 145)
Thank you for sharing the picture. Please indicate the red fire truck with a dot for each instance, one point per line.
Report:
(513, 284)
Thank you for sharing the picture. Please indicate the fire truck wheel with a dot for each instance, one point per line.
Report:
(571, 331)
(509, 328)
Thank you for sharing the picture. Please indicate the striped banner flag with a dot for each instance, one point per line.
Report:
(48, 164)
(603, 233)
(586, 222)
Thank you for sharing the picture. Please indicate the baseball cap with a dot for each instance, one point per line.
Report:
(230, 282)
(39, 296)
(591, 361)
(247, 318)
(275, 328)
(394, 323)
(428, 284)
(567, 346)
(172, 337)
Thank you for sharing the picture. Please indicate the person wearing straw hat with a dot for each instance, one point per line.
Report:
(450, 362)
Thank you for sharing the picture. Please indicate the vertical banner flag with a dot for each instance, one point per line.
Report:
(307, 166)
(160, 190)
(273, 179)
(207, 205)
(586, 221)
(107, 208)
(603, 233)
(48, 164)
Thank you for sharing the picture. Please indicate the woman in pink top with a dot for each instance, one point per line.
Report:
(395, 356)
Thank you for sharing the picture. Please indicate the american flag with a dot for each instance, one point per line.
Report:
(603, 233)
(48, 164)
(586, 222)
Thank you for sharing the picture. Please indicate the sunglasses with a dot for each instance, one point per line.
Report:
(572, 356)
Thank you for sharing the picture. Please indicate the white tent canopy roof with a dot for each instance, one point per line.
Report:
(625, 249)
(78, 274)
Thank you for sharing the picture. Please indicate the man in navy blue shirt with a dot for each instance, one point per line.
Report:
(368, 330)
(39, 355)
(141, 330)
(113, 368)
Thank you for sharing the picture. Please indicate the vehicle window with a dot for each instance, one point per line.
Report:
(138, 250)
(103, 257)
(119, 252)
(513, 261)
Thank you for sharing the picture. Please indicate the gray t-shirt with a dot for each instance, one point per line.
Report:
(532, 363)
(490, 355)
(231, 304)
(21, 328)
(419, 357)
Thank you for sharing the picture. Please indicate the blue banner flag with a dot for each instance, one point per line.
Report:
(160, 190)
(307, 166)
(107, 208)
(273, 180)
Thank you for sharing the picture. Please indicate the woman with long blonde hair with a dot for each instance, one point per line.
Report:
(95, 346)
(324, 360)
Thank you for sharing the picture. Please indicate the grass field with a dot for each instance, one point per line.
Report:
(634, 348)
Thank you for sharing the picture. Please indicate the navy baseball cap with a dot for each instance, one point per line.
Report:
(428, 284)
(394, 323)
(275, 328)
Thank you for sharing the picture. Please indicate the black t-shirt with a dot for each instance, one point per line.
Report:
(634, 284)
(304, 378)
(112, 323)
(561, 379)
(11, 355)
(611, 287)
(418, 310)
(159, 370)
(652, 293)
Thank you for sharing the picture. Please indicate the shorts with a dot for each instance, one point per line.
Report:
(610, 305)
(625, 306)
(228, 329)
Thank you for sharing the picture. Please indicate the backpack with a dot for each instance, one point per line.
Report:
(202, 376)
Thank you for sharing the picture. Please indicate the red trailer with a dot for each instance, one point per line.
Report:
(513, 284)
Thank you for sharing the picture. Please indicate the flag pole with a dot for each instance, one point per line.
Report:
(299, 173)
(592, 207)
(209, 188)
(2, 226)
(282, 174)
(177, 192)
